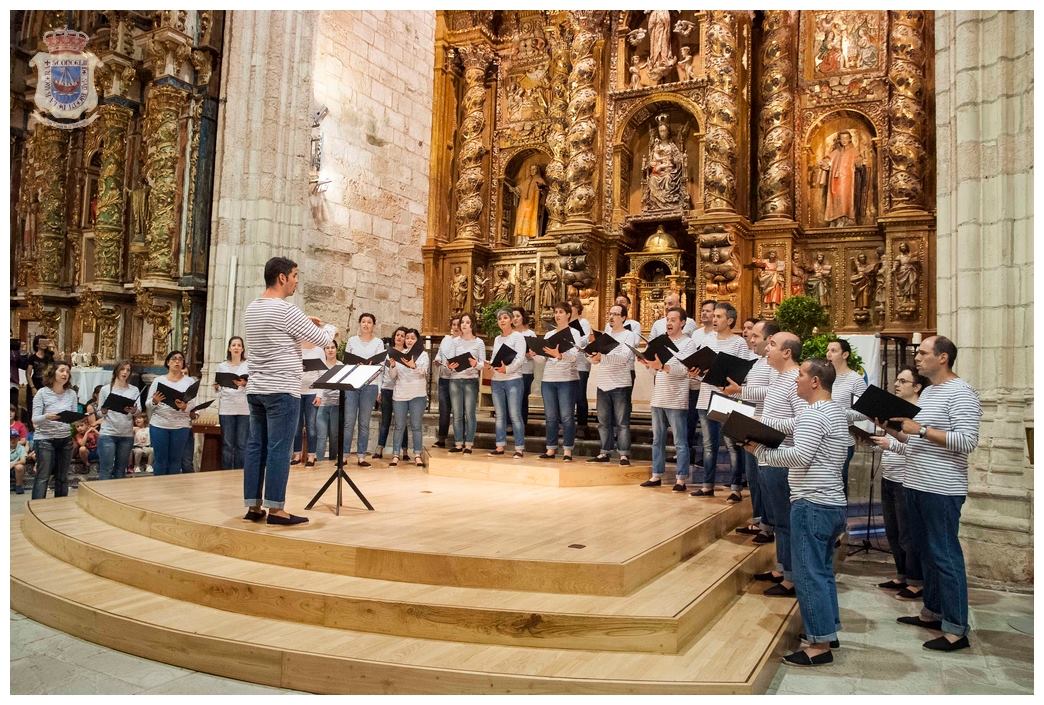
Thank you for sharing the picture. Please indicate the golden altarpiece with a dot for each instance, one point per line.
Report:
(735, 155)
(110, 222)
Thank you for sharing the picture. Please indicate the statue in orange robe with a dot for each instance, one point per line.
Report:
(838, 176)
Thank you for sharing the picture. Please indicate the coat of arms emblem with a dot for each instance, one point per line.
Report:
(65, 77)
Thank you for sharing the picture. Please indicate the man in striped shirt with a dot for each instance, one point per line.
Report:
(273, 329)
(817, 507)
(614, 390)
(936, 444)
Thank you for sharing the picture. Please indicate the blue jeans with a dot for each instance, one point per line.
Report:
(273, 420)
(387, 410)
(897, 529)
(527, 388)
(168, 447)
(614, 420)
(413, 409)
(580, 392)
(750, 469)
(444, 410)
(844, 468)
(559, 405)
(695, 428)
(678, 420)
(814, 529)
(114, 456)
(711, 442)
(306, 421)
(507, 405)
(53, 456)
(463, 400)
(774, 483)
(325, 422)
(235, 430)
(934, 521)
(358, 407)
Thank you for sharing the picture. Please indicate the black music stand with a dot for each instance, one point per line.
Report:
(342, 378)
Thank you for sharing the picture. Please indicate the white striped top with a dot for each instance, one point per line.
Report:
(308, 377)
(516, 341)
(761, 376)
(163, 415)
(614, 371)
(659, 327)
(529, 366)
(671, 388)
(782, 404)
(272, 328)
(845, 386)
(632, 326)
(233, 402)
(459, 346)
(410, 384)
(443, 371)
(733, 345)
(953, 407)
(817, 455)
(563, 369)
(45, 402)
(583, 364)
(117, 423)
(893, 466)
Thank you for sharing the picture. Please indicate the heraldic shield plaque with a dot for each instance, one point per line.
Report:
(65, 76)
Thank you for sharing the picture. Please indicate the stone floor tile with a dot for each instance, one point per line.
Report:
(41, 674)
(206, 684)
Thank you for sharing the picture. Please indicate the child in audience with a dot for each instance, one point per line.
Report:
(18, 456)
(86, 443)
(141, 453)
(16, 425)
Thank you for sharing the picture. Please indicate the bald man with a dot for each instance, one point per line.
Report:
(672, 300)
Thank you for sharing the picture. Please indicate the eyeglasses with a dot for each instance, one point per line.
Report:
(900, 380)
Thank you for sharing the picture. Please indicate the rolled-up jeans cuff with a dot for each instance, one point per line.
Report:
(251, 503)
(788, 575)
(270, 504)
(929, 616)
(821, 638)
(955, 629)
(914, 583)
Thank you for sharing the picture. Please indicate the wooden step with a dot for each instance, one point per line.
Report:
(435, 530)
(738, 654)
(661, 616)
(530, 470)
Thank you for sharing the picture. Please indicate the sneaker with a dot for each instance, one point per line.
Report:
(600, 458)
(624, 460)
(148, 468)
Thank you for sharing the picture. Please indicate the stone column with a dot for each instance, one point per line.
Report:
(470, 179)
(723, 89)
(984, 191)
(108, 229)
(50, 151)
(163, 107)
(906, 112)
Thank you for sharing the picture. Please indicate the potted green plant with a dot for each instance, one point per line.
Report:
(800, 315)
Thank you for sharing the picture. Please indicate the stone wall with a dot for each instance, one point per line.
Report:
(984, 108)
(358, 241)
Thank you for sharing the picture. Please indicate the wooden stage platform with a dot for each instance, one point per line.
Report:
(455, 584)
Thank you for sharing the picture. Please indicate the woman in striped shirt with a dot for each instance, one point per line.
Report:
(520, 322)
(386, 401)
(326, 415)
(52, 439)
(116, 437)
(507, 386)
(848, 382)
(464, 382)
(233, 412)
(359, 403)
(170, 427)
(558, 389)
(409, 397)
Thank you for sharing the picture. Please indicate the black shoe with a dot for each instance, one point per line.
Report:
(679, 488)
(600, 458)
(763, 538)
(800, 658)
(768, 576)
(467, 451)
(702, 493)
(734, 498)
(455, 449)
(363, 464)
(254, 515)
(567, 458)
(405, 456)
(295, 462)
(378, 454)
(779, 591)
(943, 644)
(835, 644)
(916, 621)
(309, 463)
(546, 456)
(892, 585)
(907, 594)
(625, 461)
(651, 483)
(286, 521)
(748, 530)
(495, 452)
(439, 444)
(518, 454)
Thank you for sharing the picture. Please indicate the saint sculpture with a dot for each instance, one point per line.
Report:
(529, 199)
(664, 170)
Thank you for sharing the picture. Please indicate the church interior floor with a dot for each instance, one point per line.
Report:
(877, 655)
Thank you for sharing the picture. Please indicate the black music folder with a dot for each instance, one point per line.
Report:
(71, 416)
(603, 343)
(563, 340)
(631, 327)
(535, 344)
(578, 327)
(702, 359)
(742, 428)
(411, 354)
(170, 395)
(876, 403)
(462, 360)
(661, 347)
(117, 403)
(505, 356)
(728, 366)
(350, 359)
(312, 364)
(228, 379)
(721, 406)
(861, 435)
(204, 405)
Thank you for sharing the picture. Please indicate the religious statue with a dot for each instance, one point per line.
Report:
(905, 274)
(664, 170)
(818, 284)
(863, 279)
(879, 289)
(529, 198)
(635, 70)
(459, 290)
(660, 57)
(843, 176)
(770, 280)
(549, 286)
(139, 202)
(685, 64)
(481, 281)
(798, 274)
(527, 288)
(504, 289)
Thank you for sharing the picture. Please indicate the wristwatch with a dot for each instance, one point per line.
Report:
(923, 433)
